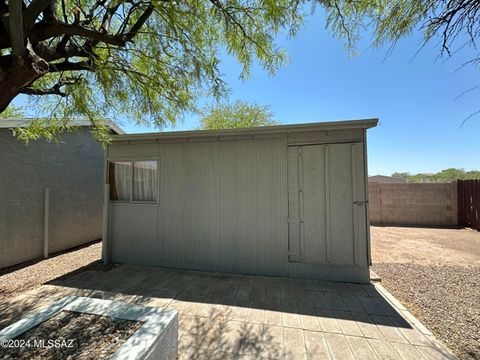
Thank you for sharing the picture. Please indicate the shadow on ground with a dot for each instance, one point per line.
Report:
(253, 316)
(277, 294)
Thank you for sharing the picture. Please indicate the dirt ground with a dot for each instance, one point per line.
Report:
(425, 246)
(435, 273)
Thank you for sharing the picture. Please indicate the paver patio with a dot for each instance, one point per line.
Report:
(241, 316)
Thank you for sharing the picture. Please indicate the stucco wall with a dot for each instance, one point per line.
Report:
(413, 204)
(72, 170)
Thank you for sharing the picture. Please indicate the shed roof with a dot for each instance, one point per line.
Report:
(276, 129)
(9, 123)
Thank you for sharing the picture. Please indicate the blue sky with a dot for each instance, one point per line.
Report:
(414, 98)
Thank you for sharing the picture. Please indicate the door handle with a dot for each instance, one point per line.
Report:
(359, 203)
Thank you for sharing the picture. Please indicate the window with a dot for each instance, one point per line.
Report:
(119, 176)
(133, 180)
(145, 180)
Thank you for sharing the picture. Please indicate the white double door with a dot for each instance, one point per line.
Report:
(326, 204)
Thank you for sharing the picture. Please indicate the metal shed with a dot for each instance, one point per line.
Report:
(286, 200)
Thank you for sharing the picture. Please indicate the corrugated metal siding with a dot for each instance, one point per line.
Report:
(223, 206)
(187, 221)
(325, 137)
(253, 213)
(133, 234)
(132, 151)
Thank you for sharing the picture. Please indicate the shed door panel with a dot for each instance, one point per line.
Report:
(312, 193)
(360, 204)
(326, 204)
(341, 231)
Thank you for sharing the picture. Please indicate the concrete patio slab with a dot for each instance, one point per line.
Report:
(231, 316)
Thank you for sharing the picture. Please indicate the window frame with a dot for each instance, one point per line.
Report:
(131, 160)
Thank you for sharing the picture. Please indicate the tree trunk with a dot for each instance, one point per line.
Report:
(17, 74)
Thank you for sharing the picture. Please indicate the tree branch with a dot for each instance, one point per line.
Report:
(69, 66)
(54, 90)
(34, 10)
(64, 12)
(62, 45)
(54, 29)
(112, 7)
(140, 22)
(5, 29)
(39, 92)
(52, 53)
(15, 20)
(49, 14)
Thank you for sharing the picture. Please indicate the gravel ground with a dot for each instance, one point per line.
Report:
(435, 273)
(78, 335)
(445, 298)
(26, 276)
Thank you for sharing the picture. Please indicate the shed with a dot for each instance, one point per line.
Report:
(287, 200)
(51, 194)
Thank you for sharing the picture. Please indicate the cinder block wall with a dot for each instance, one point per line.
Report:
(413, 204)
(72, 170)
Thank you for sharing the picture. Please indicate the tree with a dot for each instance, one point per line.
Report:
(11, 112)
(402, 175)
(443, 176)
(237, 115)
(150, 60)
(390, 20)
(147, 59)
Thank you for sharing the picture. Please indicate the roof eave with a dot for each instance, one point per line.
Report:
(292, 128)
(13, 123)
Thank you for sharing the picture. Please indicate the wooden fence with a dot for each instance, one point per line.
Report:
(469, 203)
